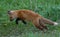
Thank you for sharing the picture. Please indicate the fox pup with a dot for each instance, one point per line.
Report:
(37, 20)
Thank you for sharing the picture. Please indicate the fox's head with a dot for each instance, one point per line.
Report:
(12, 15)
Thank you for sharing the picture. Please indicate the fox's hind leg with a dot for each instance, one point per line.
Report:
(42, 24)
(36, 23)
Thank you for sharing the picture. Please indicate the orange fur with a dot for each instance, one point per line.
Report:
(29, 15)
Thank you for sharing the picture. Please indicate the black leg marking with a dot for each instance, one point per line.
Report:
(24, 22)
(19, 20)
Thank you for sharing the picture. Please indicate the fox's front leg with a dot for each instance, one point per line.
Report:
(19, 20)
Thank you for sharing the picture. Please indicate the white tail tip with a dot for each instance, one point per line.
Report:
(55, 23)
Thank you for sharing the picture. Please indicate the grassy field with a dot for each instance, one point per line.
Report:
(47, 8)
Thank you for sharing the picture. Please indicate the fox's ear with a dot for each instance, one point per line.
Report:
(9, 12)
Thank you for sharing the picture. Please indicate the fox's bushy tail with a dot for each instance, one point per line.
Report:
(47, 21)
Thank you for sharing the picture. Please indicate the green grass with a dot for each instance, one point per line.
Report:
(47, 8)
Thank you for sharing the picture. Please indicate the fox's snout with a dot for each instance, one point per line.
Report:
(11, 18)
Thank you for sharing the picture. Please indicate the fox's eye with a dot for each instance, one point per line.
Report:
(10, 17)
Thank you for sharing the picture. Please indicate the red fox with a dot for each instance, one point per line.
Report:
(29, 15)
